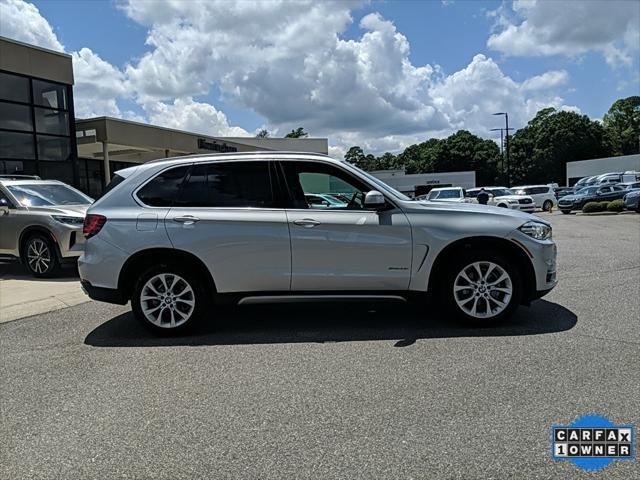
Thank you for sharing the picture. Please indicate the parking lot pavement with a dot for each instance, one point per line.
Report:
(22, 295)
(374, 391)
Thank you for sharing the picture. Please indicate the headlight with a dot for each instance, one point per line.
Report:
(537, 230)
(510, 200)
(68, 220)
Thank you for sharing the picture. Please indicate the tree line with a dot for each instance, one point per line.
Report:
(538, 152)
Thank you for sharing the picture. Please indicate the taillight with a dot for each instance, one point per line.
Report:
(93, 224)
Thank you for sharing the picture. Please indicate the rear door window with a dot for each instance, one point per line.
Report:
(230, 185)
(164, 189)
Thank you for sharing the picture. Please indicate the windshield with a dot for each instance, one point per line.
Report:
(379, 183)
(47, 194)
(587, 191)
(500, 192)
(448, 194)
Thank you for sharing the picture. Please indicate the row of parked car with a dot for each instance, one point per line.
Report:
(524, 198)
(606, 187)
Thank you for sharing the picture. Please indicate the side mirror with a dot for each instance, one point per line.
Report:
(4, 209)
(374, 200)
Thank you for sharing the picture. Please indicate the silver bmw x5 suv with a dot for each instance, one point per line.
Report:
(181, 235)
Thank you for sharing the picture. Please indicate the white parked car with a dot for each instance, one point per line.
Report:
(543, 195)
(505, 198)
(445, 194)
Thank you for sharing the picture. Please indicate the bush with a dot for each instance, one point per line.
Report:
(604, 205)
(616, 206)
(592, 207)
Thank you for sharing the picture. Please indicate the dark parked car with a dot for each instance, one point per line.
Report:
(602, 193)
(632, 200)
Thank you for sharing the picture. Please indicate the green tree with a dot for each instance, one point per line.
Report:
(622, 126)
(541, 150)
(264, 133)
(297, 133)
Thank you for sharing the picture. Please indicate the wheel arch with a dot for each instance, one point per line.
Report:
(144, 259)
(36, 229)
(513, 251)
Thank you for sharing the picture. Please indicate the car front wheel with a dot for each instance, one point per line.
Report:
(39, 256)
(483, 288)
(168, 299)
(546, 206)
(566, 212)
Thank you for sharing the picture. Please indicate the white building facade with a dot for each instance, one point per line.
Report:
(421, 183)
(598, 166)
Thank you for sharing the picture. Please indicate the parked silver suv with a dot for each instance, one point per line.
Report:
(41, 223)
(178, 236)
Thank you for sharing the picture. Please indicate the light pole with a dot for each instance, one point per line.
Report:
(501, 146)
(506, 144)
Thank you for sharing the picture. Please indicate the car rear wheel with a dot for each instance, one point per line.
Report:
(482, 288)
(39, 256)
(547, 205)
(168, 299)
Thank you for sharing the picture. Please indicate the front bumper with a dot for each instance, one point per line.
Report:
(631, 203)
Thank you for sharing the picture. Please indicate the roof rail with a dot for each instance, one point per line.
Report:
(7, 176)
(232, 154)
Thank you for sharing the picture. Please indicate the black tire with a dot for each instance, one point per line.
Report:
(39, 256)
(198, 295)
(547, 205)
(448, 298)
(566, 212)
(503, 205)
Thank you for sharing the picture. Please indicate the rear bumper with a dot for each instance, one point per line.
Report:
(108, 295)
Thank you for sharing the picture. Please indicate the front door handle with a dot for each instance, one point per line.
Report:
(307, 222)
(186, 219)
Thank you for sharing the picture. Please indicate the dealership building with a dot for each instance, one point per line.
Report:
(421, 183)
(598, 166)
(39, 134)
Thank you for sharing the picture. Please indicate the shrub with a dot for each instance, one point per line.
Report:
(616, 206)
(591, 207)
(604, 205)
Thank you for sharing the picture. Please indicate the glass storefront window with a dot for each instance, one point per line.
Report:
(49, 94)
(15, 117)
(16, 145)
(15, 88)
(51, 121)
(53, 148)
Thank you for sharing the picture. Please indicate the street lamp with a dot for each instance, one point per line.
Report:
(502, 130)
(506, 144)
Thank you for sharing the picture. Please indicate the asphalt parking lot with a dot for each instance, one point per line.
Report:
(357, 391)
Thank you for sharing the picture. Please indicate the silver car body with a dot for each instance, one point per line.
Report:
(20, 219)
(250, 250)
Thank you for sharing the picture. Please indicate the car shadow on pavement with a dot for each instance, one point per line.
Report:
(17, 271)
(320, 323)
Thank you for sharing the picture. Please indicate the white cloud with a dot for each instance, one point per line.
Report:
(570, 28)
(291, 66)
(198, 117)
(97, 85)
(551, 79)
(22, 21)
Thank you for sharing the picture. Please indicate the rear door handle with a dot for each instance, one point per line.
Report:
(186, 219)
(307, 222)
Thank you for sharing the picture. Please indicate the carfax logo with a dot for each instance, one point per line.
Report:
(592, 442)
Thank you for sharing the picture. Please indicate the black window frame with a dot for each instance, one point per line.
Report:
(68, 109)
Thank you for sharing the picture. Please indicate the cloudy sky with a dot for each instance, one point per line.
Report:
(382, 75)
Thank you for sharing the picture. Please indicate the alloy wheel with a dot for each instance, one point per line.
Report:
(483, 289)
(38, 256)
(167, 300)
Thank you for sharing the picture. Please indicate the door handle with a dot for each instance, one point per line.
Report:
(186, 219)
(307, 222)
